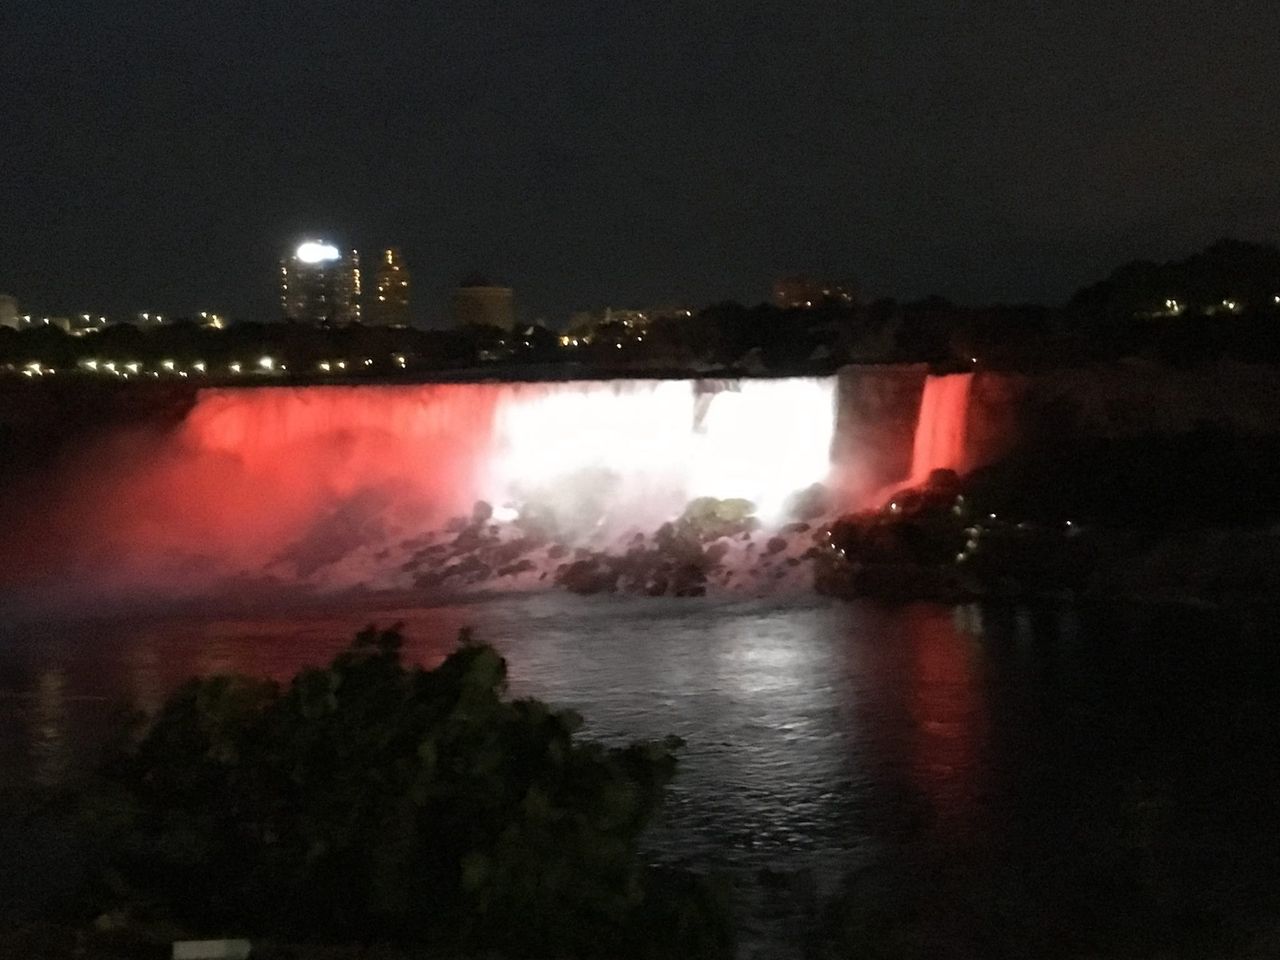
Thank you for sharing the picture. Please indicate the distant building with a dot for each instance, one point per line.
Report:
(587, 320)
(476, 302)
(628, 318)
(802, 292)
(319, 284)
(9, 311)
(391, 309)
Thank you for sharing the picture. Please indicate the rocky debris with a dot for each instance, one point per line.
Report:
(924, 542)
(469, 538)
(810, 503)
(587, 577)
(712, 542)
(468, 570)
(931, 542)
(689, 580)
(707, 518)
(517, 568)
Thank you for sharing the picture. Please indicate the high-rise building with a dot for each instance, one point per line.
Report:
(476, 301)
(391, 309)
(318, 284)
(9, 311)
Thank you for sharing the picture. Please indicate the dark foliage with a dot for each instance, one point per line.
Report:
(1234, 270)
(1207, 476)
(369, 800)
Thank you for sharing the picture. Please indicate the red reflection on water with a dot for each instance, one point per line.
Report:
(161, 655)
(943, 696)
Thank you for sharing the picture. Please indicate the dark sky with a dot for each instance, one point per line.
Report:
(160, 155)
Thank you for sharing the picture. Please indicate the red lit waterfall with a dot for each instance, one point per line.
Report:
(940, 428)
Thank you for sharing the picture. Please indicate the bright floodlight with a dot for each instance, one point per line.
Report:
(312, 252)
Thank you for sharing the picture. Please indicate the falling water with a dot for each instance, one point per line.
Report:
(290, 483)
(940, 429)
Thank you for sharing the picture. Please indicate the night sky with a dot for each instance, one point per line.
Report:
(161, 155)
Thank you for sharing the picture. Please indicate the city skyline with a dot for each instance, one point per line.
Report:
(159, 157)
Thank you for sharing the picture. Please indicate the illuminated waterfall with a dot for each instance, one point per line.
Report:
(284, 482)
(662, 442)
(940, 428)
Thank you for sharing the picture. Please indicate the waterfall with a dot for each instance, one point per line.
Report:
(661, 442)
(282, 482)
(940, 428)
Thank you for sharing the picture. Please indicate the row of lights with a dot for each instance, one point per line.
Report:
(1176, 307)
(329, 366)
(90, 324)
(264, 365)
(133, 368)
(566, 341)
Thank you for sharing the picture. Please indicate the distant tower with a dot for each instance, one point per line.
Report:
(475, 301)
(391, 309)
(320, 285)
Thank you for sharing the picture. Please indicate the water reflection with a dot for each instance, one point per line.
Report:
(50, 746)
(947, 710)
(147, 683)
(815, 731)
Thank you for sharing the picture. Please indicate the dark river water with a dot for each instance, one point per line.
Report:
(822, 737)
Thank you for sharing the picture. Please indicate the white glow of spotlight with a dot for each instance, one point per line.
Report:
(313, 252)
(764, 441)
(659, 444)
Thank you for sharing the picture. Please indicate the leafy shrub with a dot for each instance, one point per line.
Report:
(373, 800)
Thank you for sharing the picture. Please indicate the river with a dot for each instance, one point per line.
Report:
(821, 736)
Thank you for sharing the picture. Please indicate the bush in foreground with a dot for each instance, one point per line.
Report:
(370, 800)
